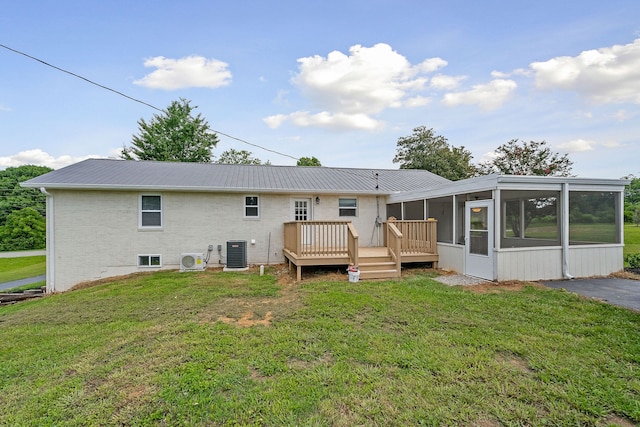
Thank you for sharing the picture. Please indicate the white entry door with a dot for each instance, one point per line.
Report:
(479, 239)
(302, 212)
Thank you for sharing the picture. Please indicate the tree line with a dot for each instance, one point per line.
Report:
(178, 135)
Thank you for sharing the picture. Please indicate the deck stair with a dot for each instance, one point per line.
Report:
(376, 263)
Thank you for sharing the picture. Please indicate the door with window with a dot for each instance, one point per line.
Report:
(479, 239)
(302, 212)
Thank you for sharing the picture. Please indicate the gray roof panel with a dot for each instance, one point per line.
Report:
(145, 175)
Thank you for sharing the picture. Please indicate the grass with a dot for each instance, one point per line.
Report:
(219, 348)
(631, 239)
(21, 268)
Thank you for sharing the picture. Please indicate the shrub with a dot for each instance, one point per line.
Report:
(633, 260)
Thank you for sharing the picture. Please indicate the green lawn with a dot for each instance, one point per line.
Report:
(631, 239)
(215, 348)
(21, 268)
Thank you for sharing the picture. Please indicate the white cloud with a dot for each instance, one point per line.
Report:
(606, 75)
(488, 96)
(325, 120)
(622, 115)
(417, 101)
(191, 71)
(500, 75)
(577, 145)
(441, 81)
(3, 108)
(40, 158)
(349, 89)
(275, 121)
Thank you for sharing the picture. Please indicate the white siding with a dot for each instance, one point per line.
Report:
(451, 257)
(530, 264)
(587, 261)
(96, 233)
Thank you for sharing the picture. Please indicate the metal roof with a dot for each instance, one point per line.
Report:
(111, 174)
(510, 182)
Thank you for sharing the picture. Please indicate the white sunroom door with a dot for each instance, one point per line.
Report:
(302, 212)
(479, 239)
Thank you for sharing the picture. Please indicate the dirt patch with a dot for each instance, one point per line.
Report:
(248, 312)
(247, 320)
(516, 362)
(616, 420)
(628, 273)
(499, 287)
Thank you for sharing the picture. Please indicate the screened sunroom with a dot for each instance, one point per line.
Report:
(501, 227)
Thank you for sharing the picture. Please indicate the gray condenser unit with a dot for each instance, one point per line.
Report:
(237, 254)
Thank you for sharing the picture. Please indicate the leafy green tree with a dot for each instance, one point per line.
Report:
(308, 161)
(426, 150)
(632, 191)
(174, 136)
(238, 157)
(527, 158)
(13, 197)
(24, 230)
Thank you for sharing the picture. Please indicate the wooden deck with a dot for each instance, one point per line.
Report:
(320, 243)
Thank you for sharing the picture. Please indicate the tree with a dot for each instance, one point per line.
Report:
(238, 157)
(426, 150)
(24, 230)
(13, 197)
(308, 161)
(22, 210)
(174, 136)
(526, 158)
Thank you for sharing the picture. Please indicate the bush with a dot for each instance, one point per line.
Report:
(633, 260)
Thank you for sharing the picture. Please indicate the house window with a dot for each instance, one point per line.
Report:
(347, 207)
(149, 261)
(251, 207)
(150, 211)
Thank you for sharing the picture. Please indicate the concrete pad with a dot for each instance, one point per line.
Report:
(620, 292)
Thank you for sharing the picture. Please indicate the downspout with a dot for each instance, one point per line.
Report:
(565, 231)
(50, 241)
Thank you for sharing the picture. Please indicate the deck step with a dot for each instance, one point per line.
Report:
(377, 267)
(379, 274)
(381, 265)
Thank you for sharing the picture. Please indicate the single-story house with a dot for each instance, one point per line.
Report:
(109, 217)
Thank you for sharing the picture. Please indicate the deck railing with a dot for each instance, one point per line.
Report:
(321, 238)
(418, 236)
(332, 241)
(394, 244)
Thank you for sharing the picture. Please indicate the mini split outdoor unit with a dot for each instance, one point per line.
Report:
(191, 262)
(237, 254)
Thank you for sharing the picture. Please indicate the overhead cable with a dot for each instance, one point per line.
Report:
(135, 99)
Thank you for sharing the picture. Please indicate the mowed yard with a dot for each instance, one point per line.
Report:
(214, 348)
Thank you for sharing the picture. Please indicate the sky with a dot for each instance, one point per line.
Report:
(338, 80)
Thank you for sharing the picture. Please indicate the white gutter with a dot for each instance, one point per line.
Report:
(50, 265)
(565, 231)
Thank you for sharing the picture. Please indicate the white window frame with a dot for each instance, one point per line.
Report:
(141, 212)
(246, 206)
(149, 259)
(348, 208)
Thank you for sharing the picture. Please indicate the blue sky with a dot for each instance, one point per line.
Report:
(338, 80)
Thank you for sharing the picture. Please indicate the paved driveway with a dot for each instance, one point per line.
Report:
(22, 282)
(622, 292)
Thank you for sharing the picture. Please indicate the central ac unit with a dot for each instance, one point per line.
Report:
(191, 262)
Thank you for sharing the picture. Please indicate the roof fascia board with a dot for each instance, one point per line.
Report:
(105, 187)
(511, 182)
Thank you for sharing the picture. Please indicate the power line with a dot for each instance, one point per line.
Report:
(135, 99)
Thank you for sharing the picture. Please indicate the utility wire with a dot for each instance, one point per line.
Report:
(135, 99)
